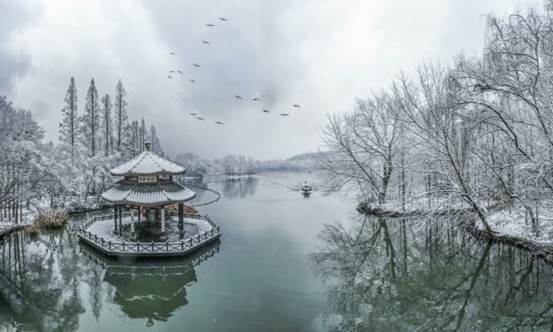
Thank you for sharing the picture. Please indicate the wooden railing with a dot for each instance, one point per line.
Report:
(118, 268)
(167, 247)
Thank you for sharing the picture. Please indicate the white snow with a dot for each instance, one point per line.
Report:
(147, 163)
(513, 222)
(104, 228)
(148, 193)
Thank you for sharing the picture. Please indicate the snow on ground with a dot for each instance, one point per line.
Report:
(422, 203)
(203, 226)
(514, 222)
(511, 222)
(192, 227)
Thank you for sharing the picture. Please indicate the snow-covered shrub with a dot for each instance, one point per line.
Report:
(51, 219)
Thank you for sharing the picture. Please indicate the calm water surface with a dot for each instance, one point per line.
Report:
(257, 278)
(284, 263)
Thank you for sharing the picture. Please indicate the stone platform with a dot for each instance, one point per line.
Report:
(147, 240)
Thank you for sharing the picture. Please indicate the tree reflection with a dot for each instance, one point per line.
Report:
(240, 188)
(43, 281)
(390, 275)
(39, 281)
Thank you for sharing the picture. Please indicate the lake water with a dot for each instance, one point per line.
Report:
(283, 264)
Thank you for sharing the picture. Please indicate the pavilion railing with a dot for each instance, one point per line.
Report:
(150, 247)
(118, 269)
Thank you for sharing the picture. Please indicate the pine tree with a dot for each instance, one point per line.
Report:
(69, 124)
(156, 145)
(121, 119)
(134, 138)
(128, 149)
(143, 134)
(106, 125)
(90, 120)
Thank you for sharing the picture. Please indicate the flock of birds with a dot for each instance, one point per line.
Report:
(172, 73)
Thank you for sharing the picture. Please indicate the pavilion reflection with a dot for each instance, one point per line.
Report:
(149, 289)
(43, 280)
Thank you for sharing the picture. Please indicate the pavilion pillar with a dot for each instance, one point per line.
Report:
(120, 220)
(162, 217)
(181, 216)
(115, 219)
(132, 220)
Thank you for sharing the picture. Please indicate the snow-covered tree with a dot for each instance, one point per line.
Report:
(231, 165)
(142, 135)
(366, 144)
(195, 166)
(106, 125)
(133, 138)
(156, 145)
(69, 126)
(22, 173)
(121, 118)
(90, 121)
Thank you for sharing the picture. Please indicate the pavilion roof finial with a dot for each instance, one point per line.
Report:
(147, 146)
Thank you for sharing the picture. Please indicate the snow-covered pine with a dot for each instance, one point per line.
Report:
(134, 140)
(154, 139)
(121, 118)
(106, 125)
(90, 121)
(142, 134)
(69, 126)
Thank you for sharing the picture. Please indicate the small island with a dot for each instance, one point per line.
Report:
(148, 212)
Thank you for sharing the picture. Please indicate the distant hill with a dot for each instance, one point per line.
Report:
(304, 161)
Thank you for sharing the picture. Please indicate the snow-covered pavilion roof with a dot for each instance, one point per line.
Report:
(148, 193)
(147, 163)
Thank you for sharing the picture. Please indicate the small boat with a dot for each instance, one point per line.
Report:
(306, 189)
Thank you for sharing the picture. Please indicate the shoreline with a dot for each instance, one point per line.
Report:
(540, 250)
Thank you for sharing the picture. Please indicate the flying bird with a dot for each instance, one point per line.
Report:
(172, 53)
(196, 65)
(180, 72)
(205, 42)
(255, 99)
(192, 81)
(169, 76)
(193, 113)
(237, 97)
(265, 111)
(218, 122)
(284, 114)
(200, 118)
(210, 25)
(171, 71)
(296, 106)
(223, 19)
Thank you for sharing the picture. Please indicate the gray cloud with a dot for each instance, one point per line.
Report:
(14, 61)
(318, 54)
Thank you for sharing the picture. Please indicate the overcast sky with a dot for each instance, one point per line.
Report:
(319, 54)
